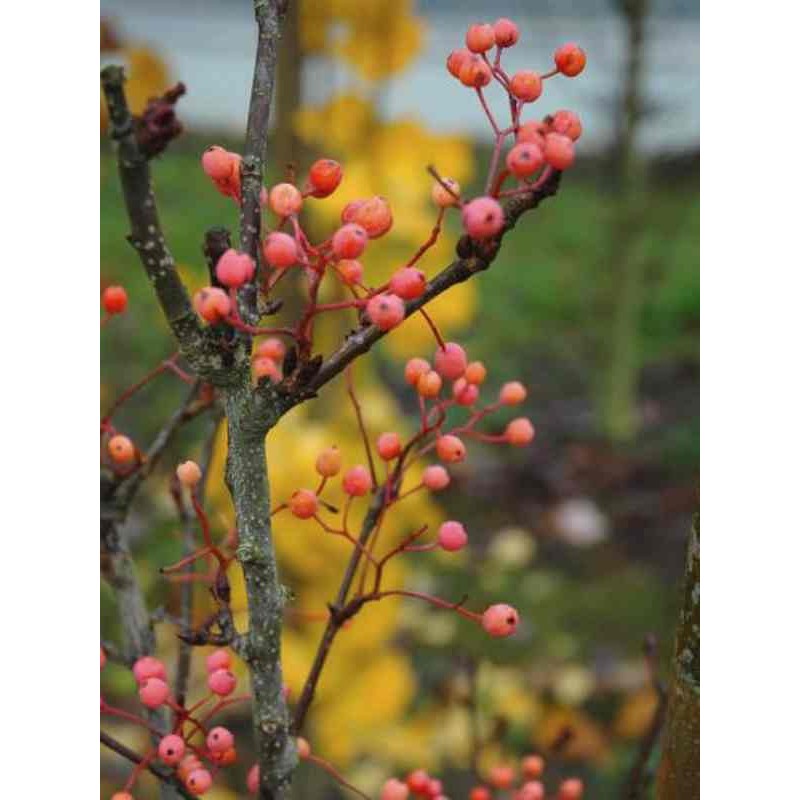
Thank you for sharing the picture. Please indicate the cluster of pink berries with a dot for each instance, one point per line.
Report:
(195, 763)
(503, 779)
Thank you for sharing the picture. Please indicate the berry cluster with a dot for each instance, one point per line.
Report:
(503, 780)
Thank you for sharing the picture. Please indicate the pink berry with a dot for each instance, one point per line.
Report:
(303, 747)
(559, 151)
(532, 790)
(475, 72)
(325, 176)
(450, 448)
(465, 394)
(217, 163)
(415, 368)
(452, 536)
(513, 393)
(153, 692)
(506, 33)
(264, 367)
(483, 218)
(450, 361)
(189, 474)
(524, 159)
(303, 503)
(533, 767)
(435, 477)
(568, 123)
(219, 739)
(389, 446)
(526, 85)
(570, 59)
(435, 788)
(199, 781)
(394, 789)
(571, 789)
(350, 270)
(171, 749)
(222, 682)
(122, 796)
(500, 620)
(374, 215)
(456, 60)
(285, 199)
(349, 241)
(519, 432)
(149, 667)
(357, 481)
(212, 304)
(408, 283)
(253, 775)
(235, 269)
(279, 250)
(386, 311)
(480, 38)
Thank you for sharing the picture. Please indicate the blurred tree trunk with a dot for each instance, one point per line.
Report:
(620, 376)
(289, 90)
(679, 771)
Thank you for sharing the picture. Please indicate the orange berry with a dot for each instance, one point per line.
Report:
(475, 73)
(303, 747)
(212, 304)
(568, 123)
(329, 462)
(480, 793)
(350, 270)
(524, 159)
(570, 59)
(442, 197)
(189, 473)
(303, 503)
(513, 393)
(456, 60)
(480, 38)
(416, 368)
(115, 299)
(450, 448)
(501, 776)
(559, 151)
(519, 432)
(526, 85)
(532, 132)
(264, 367)
(429, 384)
(357, 481)
(374, 215)
(533, 767)
(217, 163)
(325, 176)
(121, 449)
(571, 789)
(270, 348)
(285, 199)
(506, 33)
(475, 373)
(389, 446)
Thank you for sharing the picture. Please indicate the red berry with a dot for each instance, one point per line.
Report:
(219, 659)
(189, 473)
(219, 739)
(452, 536)
(502, 776)
(350, 271)
(171, 749)
(483, 218)
(349, 241)
(394, 789)
(506, 33)
(199, 781)
(329, 462)
(373, 215)
(325, 176)
(415, 368)
(270, 348)
(153, 692)
(115, 299)
(389, 446)
(224, 758)
(450, 361)
(568, 123)
(285, 199)
(386, 311)
(480, 793)
(450, 448)
(235, 269)
(435, 477)
(102, 658)
(217, 163)
(570, 59)
(571, 789)
(559, 151)
(429, 384)
(279, 250)
(526, 85)
(264, 367)
(303, 503)
(456, 60)
(519, 432)
(408, 283)
(500, 620)
(418, 781)
(435, 788)
(524, 159)
(465, 394)
(222, 682)
(532, 790)
(253, 779)
(212, 304)
(357, 481)
(533, 132)
(475, 72)
(513, 393)
(480, 38)
(533, 767)
(121, 449)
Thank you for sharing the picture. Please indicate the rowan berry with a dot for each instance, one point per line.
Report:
(264, 367)
(429, 384)
(349, 241)
(253, 776)
(570, 59)
(394, 789)
(219, 659)
(285, 199)
(189, 474)
(475, 372)
(199, 781)
(219, 739)
(212, 304)
(350, 271)
(303, 503)
(148, 667)
(500, 620)
(456, 60)
(450, 361)
(415, 368)
(568, 123)
(480, 793)
(531, 790)
(153, 692)
(418, 781)
(519, 432)
(224, 758)
(329, 462)
(444, 198)
(189, 765)
(122, 796)
(571, 789)
(506, 32)
(325, 176)
(532, 132)
(465, 394)
(483, 218)
(435, 788)
(279, 250)
(171, 749)
(222, 682)
(501, 776)
(480, 38)
(389, 446)
(559, 151)
(513, 393)
(217, 163)
(526, 85)
(357, 481)
(115, 299)
(235, 269)
(121, 449)
(533, 767)
(435, 477)
(102, 658)
(524, 159)
(386, 311)
(408, 283)
(374, 215)
(475, 72)
(452, 536)
(270, 348)
(303, 747)
(450, 448)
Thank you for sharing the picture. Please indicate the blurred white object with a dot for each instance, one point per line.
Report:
(579, 522)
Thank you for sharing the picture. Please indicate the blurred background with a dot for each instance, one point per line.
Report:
(593, 304)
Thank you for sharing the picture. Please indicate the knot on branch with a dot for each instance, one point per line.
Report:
(158, 124)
